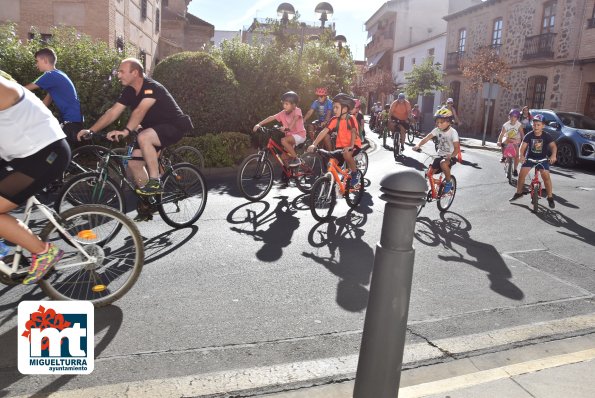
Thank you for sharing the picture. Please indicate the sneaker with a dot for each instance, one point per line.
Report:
(42, 263)
(502, 159)
(551, 203)
(515, 173)
(295, 162)
(515, 196)
(447, 187)
(355, 180)
(152, 187)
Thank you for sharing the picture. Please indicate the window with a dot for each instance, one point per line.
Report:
(536, 87)
(431, 52)
(591, 22)
(549, 17)
(462, 40)
(120, 44)
(143, 9)
(412, 61)
(497, 33)
(455, 92)
(401, 64)
(157, 20)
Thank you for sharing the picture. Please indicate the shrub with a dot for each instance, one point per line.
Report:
(220, 150)
(204, 88)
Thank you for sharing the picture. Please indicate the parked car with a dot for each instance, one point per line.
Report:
(574, 134)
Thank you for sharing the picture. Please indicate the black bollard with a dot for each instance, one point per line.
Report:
(383, 340)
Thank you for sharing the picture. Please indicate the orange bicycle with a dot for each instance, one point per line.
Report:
(336, 182)
(436, 187)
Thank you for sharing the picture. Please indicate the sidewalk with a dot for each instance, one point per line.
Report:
(557, 369)
(476, 144)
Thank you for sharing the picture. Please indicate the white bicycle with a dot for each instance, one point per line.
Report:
(103, 254)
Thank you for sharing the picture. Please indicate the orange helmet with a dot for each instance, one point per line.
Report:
(321, 91)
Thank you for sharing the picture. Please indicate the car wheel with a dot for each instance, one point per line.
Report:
(566, 156)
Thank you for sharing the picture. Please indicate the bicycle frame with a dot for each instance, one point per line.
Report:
(276, 150)
(434, 182)
(337, 172)
(49, 215)
(535, 180)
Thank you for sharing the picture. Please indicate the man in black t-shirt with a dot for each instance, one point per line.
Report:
(162, 122)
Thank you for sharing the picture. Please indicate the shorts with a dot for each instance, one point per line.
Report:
(338, 154)
(71, 129)
(404, 123)
(168, 134)
(436, 163)
(546, 165)
(298, 139)
(28, 176)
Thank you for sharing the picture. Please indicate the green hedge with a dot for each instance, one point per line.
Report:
(220, 150)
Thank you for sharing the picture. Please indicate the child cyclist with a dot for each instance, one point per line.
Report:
(536, 146)
(347, 133)
(448, 144)
(512, 133)
(359, 116)
(293, 123)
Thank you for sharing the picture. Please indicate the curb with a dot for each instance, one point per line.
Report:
(469, 143)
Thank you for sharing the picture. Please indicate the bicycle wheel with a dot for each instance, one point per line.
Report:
(188, 154)
(323, 198)
(354, 196)
(184, 195)
(116, 249)
(410, 135)
(396, 146)
(435, 143)
(384, 134)
(308, 172)
(361, 161)
(535, 197)
(509, 163)
(90, 188)
(88, 158)
(445, 200)
(255, 177)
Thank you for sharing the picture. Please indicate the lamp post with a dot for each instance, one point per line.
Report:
(285, 11)
(340, 41)
(325, 10)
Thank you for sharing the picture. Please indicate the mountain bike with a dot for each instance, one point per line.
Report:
(256, 174)
(436, 187)
(103, 254)
(182, 202)
(336, 182)
(535, 185)
(413, 131)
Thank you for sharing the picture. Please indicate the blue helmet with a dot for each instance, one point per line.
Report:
(401, 96)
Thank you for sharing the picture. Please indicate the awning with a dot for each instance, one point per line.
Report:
(372, 62)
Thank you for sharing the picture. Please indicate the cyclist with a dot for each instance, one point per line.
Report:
(323, 107)
(383, 118)
(450, 104)
(526, 119)
(293, 123)
(60, 90)
(416, 116)
(400, 111)
(536, 145)
(512, 133)
(359, 116)
(154, 112)
(347, 133)
(33, 152)
(448, 144)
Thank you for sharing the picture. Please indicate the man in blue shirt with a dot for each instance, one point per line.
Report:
(60, 90)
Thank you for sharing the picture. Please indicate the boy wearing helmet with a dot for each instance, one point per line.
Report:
(347, 133)
(322, 106)
(536, 146)
(448, 144)
(512, 133)
(400, 111)
(293, 123)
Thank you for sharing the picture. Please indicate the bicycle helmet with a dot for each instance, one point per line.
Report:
(450, 101)
(538, 118)
(443, 113)
(387, 106)
(401, 96)
(514, 112)
(344, 100)
(290, 96)
(320, 91)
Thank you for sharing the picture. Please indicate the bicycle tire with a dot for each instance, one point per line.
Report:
(509, 170)
(119, 255)
(309, 171)
(396, 145)
(361, 161)
(184, 196)
(535, 198)
(445, 200)
(188, 154)
(322, 202)
(81, 190)
(384, 136)
(410, 135)
(353, 197)
(255, 171)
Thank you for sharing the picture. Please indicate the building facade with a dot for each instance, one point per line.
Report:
(549, 45)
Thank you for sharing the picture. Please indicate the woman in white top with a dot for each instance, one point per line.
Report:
(33, 152)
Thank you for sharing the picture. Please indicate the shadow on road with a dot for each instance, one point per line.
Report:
(167, 242)
(451, 231)
(280, 224)
(413, 163)
(349, 257)
(560, 220)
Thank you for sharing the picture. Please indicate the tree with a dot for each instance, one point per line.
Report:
(485, 65)
(424, 79)
(379, 81)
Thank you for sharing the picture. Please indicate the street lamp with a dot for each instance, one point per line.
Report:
(325, 10)
(285, 11)
(340, 41)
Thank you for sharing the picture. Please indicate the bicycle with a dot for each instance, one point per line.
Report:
(413, 131)
(336, 181)
(182, 202)
(255, 175)
(436, 187)
(103, 254)
(509, 156)
(535, 185)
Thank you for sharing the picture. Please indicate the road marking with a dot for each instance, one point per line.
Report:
(486, 376)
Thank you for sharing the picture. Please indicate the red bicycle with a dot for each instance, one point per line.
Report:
(436, 187)
(256, 174)
(535, 186)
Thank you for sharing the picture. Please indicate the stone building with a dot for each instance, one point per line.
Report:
(549, 44)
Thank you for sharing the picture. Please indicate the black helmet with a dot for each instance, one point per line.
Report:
(345, 100)
(290, 96)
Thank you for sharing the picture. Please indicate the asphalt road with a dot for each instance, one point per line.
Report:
(257, 284)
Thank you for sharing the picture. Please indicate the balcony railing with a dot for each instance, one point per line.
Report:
(590, 23)
(453, 59)
(539, 46)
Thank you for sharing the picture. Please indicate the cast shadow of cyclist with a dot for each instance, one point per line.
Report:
(167, 242)
(453, 229)
(274, 229)
(560, 220)
(108, 322)
(349, 257)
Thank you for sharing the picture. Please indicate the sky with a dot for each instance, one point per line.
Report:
(349, 16)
